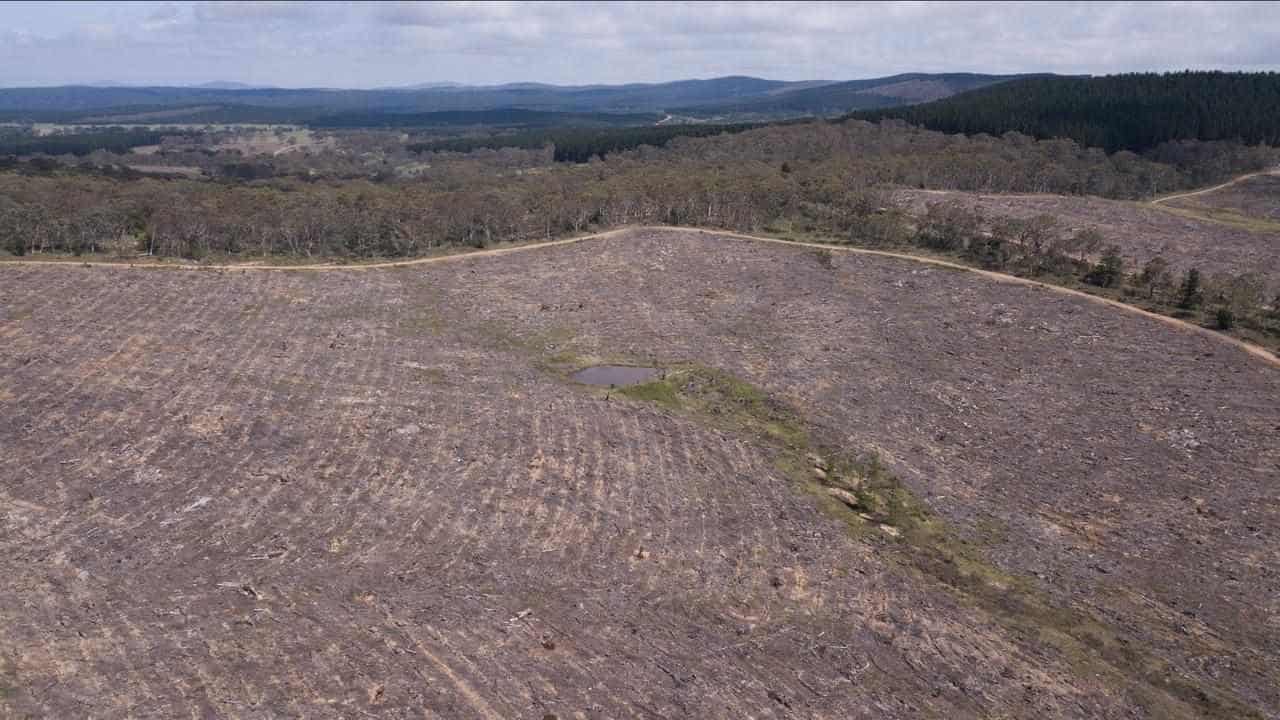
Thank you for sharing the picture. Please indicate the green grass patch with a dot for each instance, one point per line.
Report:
(726, 401)
(660, 392)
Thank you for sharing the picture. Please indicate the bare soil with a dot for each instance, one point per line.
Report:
(378, 493)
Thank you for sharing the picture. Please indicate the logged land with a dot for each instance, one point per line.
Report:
(1189, 232)
(376, 492)
(1252, 201)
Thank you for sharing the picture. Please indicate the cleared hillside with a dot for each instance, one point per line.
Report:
(1252, 203)
(376, 492)
(1141, 230)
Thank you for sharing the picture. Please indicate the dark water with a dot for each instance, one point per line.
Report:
(615, 375)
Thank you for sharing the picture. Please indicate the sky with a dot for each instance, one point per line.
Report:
(361, 45)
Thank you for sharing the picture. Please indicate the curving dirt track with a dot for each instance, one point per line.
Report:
(1251, 201)
(1248, 178)
(361, 493)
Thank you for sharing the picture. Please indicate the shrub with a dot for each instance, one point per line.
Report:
(992, 253)
(1155, 275)
(947, 227)
(1190, 295)
(1109, 271)
(825, 259)
(879, 230)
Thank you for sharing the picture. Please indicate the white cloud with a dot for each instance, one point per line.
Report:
(375, 44)
(246, 11)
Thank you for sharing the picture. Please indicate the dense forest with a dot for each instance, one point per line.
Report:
(83, 143)
(1134, 112)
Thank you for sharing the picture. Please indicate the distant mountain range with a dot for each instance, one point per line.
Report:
(224, 85)
(720, 99)
(834, 98)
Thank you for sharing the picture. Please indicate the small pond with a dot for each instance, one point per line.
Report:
(616, 375)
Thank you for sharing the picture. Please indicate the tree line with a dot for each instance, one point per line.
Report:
(579, 145)
(819, 172)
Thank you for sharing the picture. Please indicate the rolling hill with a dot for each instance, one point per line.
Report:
(587, 98)
(724, 97)
(497, 117)
(841, 97)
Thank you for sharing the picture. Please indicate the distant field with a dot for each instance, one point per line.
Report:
(376, 492)
(275, 141)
